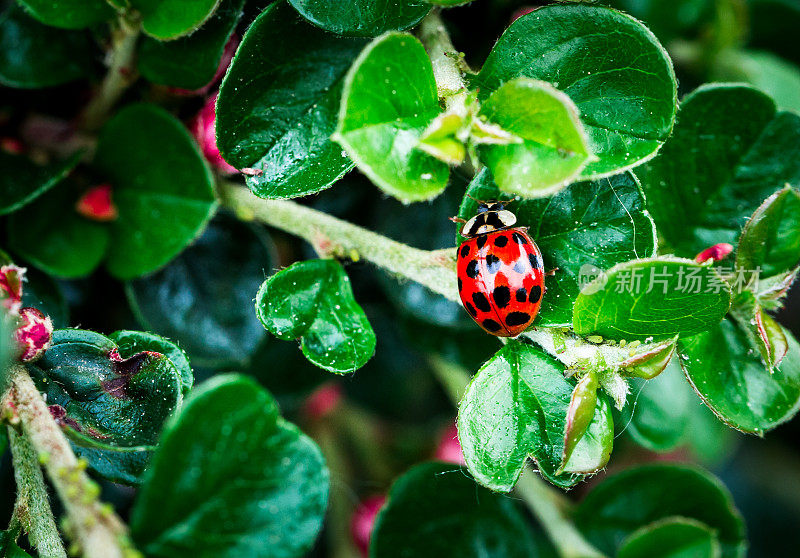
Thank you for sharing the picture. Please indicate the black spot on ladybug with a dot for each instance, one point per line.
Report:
(517, 318)
(470, 308)
(465, 251)
(494, 221)
(501, 241)
(534, 261)
(520, 266)
(492, 263)
(522, 295)
(491, 325)
(501, 296)
(460, 284)
(481, 302)
(472, 269)
(518, 238)
(536, 294)
(481, 240)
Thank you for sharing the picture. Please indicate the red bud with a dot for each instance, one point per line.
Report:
(363, 522)
(323, 400)
(204, 131)
(12, 145)
(716, 253)
(11, 277)
(521, 12)
(96, 204)
(33, 334)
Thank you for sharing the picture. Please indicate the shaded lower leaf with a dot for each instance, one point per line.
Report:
(362, 18)
(22, 181)
(231, 478)
(461, 520)
(169, 19)
(639, 497)
(672, 538)
(9, 548)
(69, 14)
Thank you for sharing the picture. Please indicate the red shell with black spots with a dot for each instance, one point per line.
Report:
(501, 280)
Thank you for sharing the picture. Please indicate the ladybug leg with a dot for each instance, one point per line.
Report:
(457, 220)
(551, 272)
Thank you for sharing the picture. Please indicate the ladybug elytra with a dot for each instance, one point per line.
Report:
(500, 271)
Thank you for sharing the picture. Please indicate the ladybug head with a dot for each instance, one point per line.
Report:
(491, 216)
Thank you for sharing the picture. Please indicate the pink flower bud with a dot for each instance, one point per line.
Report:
(11, 277)
(33, 334)
(224, 62)
(716, 253)
(449, 449)
(363, 522)
(96, 204)
(203, 129)
(12, 145)
(521, 12)
(322, 400)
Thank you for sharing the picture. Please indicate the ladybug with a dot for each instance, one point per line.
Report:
(500, 271)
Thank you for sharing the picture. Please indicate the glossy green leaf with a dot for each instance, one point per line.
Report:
(730, 150)
(161, 184)
(609, 64)
(203, 298)
(33, 55)
(654, 297)
(730, 377)
(276, 113)
(111, 408)
(52, 236)
(675, 537)
(170, 19)
(130, 343)
(515, 408)
(461, 520)
(9, 548)
(22, 181)
(313, 301)
(69, 14)
(362, 18)
(638, 497)
(231, 478)
(550, 147)
(190, 62)
(584, 229)
(389, 100)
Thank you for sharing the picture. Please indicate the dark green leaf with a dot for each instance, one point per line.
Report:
(729, 152)
(162, 187)
(675, 537)
(276, 113)
(133, 342)
(609, 64)
(203, 298)
(436, 510)
(729, 376)
(69, 14)
(190, 62)
(42, 292)
(388, 101)
(110, 408)
(22, 181)
(313, 301)
(621, 504)
(550, 147)
(170, 19)
(516, 407)
(231, 478)
(33, 55)
(654, 297)
(362, 18)
(586, 228)
(9, 548)
(669, 20)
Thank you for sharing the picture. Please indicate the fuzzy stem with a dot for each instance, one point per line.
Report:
(95, 527)
(444, 58)
(121, 73)
(32, 508)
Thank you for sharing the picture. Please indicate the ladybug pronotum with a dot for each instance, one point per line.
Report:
(500, 271)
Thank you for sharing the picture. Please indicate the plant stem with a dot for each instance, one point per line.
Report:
(94, 526)
(329, 235)
(32, 508)
(444, 58)
(121, 73)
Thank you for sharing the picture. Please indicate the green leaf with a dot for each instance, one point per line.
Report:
(162, 187)
(516, 407)
(730, 150)
(669, 20)
(110, 408)
(582, 230)
(653, 297)
(550, 147)
(609, 64)
(231, 478)
(203, 298)
(770, 241)
(389, 100)
(190, 62)
(675, 537)
(276, 113)
(170, 19)
(130, 343)
(461, 519)
(362, 18)
(33, 55)
(731, 379)
(69, 14)
(9, 548)
(23, 181)
(42, 292)
(313, 301)
(638, 497)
